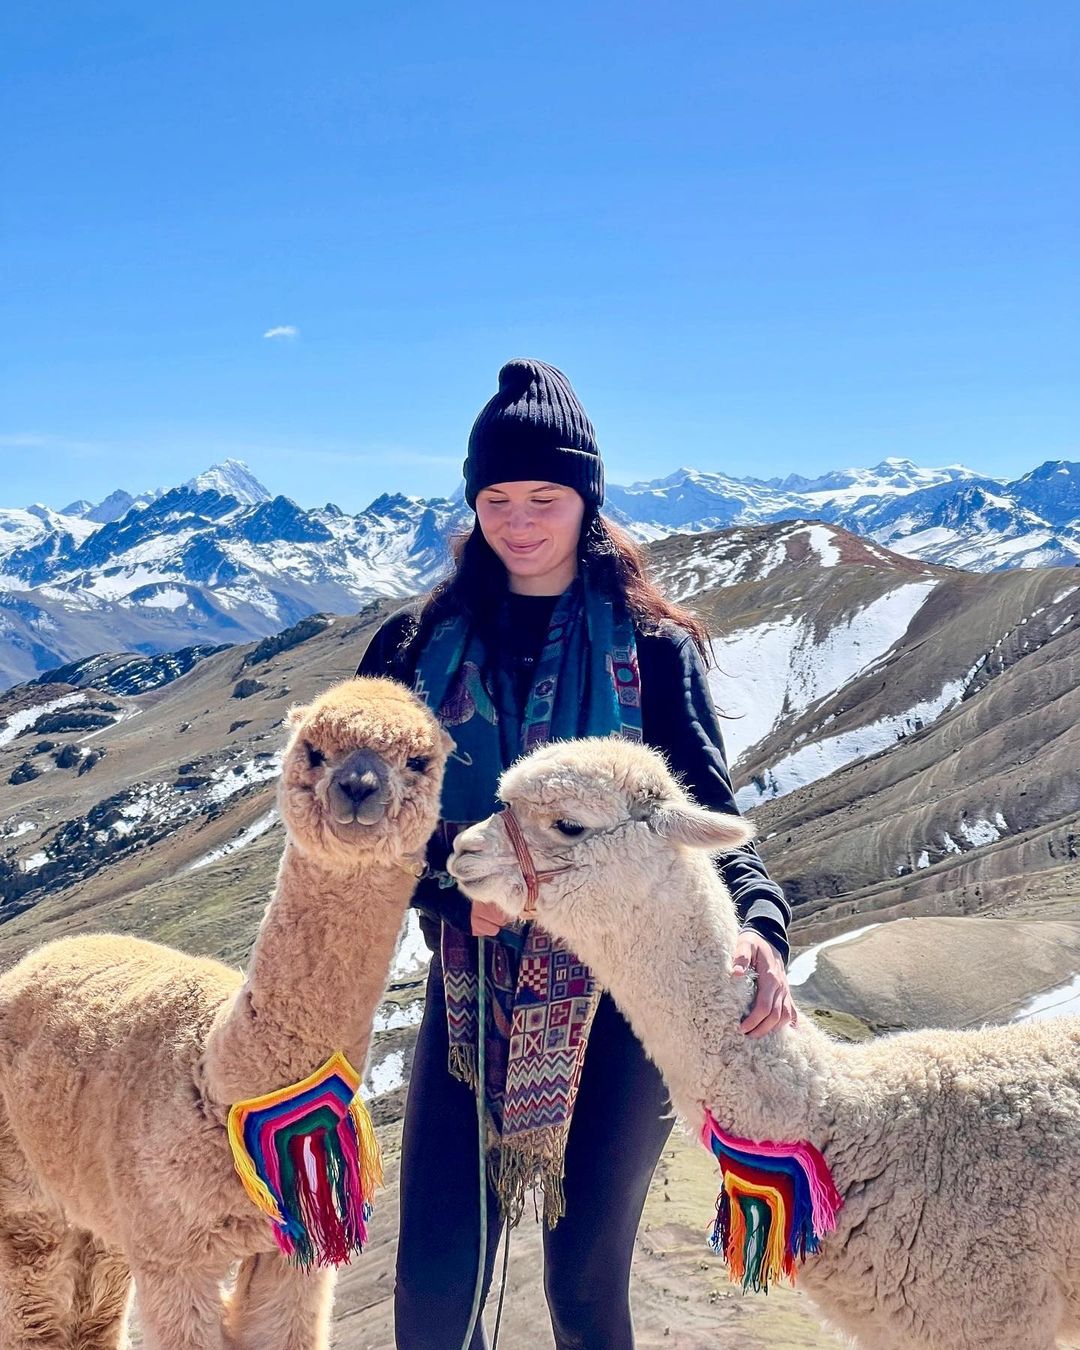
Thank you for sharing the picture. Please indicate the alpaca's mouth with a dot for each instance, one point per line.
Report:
(356, 826)
(368, 817)
(369, 811)
(471, 874)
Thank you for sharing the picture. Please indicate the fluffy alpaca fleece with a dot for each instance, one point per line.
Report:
(119, 1060)
(957, 1153)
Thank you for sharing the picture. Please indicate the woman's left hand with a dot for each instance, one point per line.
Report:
(773, 1007)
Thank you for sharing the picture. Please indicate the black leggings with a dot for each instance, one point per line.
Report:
(619, 1128)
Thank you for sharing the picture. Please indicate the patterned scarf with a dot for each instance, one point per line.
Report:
(540, 1000)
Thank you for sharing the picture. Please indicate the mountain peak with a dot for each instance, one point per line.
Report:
(232, 478)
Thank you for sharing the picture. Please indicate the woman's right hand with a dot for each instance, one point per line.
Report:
(486, 919)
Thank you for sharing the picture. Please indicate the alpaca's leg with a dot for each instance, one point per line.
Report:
(102, 1296)
(180, 1309)
(37, 1266)
(275, 1306)
(37, 1282)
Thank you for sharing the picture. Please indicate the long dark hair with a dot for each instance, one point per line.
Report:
(607, 555)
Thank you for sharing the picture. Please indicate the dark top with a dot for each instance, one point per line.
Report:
(677, 718)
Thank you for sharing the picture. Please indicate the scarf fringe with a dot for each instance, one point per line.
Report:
(462, 1064)
(534, 1160)
(517, 1165)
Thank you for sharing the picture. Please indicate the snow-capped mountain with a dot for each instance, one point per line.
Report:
(232, 478)
(693, 500)
(218, 559)
(20, 528)
(892, 475)
(981, 529)
(221, 559)
(948, 515)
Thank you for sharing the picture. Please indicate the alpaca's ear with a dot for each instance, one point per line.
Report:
(449, 745)
(685, 823)
(296, 715)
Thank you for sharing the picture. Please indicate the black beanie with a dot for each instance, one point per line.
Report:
(534, 428)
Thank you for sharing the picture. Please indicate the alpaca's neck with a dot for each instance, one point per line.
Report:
(686, 1007)
(316, 976)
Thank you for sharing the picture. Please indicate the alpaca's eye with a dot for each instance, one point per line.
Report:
(315, 757)
(418, 763)
(569, 827)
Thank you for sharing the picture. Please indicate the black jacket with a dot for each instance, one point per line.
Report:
(677, 717)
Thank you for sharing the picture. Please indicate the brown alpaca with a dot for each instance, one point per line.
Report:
(119, 1060)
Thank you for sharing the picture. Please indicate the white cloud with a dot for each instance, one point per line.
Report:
(33, 441)
(284, 330)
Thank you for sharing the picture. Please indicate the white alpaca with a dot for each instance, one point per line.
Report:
(120, 1060)
(957, 1154)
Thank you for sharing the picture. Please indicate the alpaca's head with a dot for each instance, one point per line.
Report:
(362, 773)
(611, 814)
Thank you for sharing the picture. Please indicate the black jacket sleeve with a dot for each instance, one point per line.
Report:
(684, 724)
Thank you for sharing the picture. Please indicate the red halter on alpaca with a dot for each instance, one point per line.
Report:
(531, 877)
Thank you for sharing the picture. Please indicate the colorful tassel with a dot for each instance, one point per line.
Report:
(308, 1158)
(778, 1201)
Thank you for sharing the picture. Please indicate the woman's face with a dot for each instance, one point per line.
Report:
(533, 527)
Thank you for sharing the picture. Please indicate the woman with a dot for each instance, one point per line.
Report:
(546, 628)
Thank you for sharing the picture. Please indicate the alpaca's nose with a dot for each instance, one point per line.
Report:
(469, 841)
(358, 784)
(359, 789)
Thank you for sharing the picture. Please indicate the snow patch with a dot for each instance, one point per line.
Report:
(123, 716)
(397, 1018)
(234, 778)
(778, 668)
(824, 545)
(245, 837)
(169, 597)
(412, 955)
(805, 964)
(121, 581)
(978, 832)
(816, 761)
(385, 1076)
(26, 717)
(1064, 1001)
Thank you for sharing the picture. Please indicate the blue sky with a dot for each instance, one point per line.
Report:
(760, 237)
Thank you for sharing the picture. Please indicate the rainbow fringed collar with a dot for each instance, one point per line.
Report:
(308, 1158)
(777, 1202)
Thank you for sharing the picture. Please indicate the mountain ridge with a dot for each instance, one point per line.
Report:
(220, 558)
